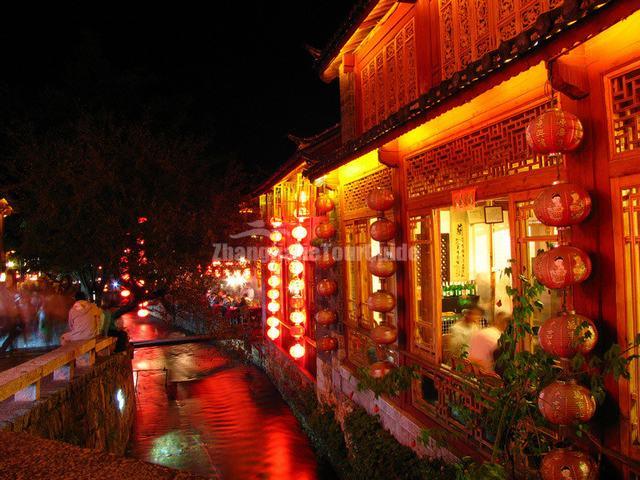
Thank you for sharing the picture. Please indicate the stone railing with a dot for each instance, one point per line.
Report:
(23, 382)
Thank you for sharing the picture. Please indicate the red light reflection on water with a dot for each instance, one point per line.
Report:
(226, 418)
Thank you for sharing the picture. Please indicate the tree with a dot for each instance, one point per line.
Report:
(81, 189)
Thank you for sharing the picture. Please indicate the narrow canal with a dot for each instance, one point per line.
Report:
(219, 417)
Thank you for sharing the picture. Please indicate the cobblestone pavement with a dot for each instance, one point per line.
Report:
(25, 457)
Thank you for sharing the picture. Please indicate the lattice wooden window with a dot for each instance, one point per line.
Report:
(423, 280)
(390, 79)
(355, 193)
(494, 151)
(627, 233)
(471, 28)
(625, 111)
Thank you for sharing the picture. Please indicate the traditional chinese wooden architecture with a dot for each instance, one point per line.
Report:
(436, 97)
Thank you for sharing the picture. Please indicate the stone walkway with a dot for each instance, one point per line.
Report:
(25, 457)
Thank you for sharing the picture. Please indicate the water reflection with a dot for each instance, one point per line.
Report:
(224, 418)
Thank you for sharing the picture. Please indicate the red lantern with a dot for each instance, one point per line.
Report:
(323, 205)
(296, 331)
(327, 344)
(559, 336)
(325, 230)
(554, 132)
(562, 204)
(383, 230)
(326, 287)
(562, 463)
(381, 266)
(380, 369)
(297, 302)
(384, 335)
(325, 260)
(325, 317)
(563, 403)
(381, 301)
(562, 266)
(380, 199)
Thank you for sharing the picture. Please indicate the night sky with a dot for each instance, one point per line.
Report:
(238, 76)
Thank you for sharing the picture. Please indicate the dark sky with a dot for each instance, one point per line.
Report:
(238, 74)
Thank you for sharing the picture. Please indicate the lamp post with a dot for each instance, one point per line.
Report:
(5, 211)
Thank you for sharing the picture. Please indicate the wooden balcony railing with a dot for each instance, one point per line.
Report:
(23, 382)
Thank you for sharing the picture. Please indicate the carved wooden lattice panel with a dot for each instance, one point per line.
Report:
(471, 28)
(625, 111)
(347, 106)
(495, 151)
(355, 193)
(390, 79)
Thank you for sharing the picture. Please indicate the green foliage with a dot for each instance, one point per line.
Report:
(511, 415)
(396, 381)
(375, 454)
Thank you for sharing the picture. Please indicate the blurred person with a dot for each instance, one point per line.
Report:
(85, 320)
(483, 345)
(463, 329)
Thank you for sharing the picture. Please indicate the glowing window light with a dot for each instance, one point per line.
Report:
(273, 267)
(298, 317)
(299, 232)
(296, 286)
(273, 294)
(296, 250)
(273, 333)
(273, 306)
(120, 400)
(273, 251)
(297, 351)
(236, 280)
(296, 267)
(273, 322)
(125, 293)
(275, 236)
(143, 312)
(3, 277)
(274, 281)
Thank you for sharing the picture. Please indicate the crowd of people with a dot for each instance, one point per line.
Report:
(46, 314)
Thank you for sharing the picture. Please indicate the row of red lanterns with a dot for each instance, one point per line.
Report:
(382, 266)
(326, 287)
(563, 402)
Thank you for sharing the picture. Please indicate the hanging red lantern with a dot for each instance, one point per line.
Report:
(325, 317)
(562, 266)
(384, 335)
(323, 205)
(559, 335)
(296, 331)
(381, 301)
(325, 230)
(327, 344)
(325, 260)
(296, 302)
(554, 132)
(562, 463)
(380, 369)
(382, 230)
(381, 266)
(380, 199)
(566, 402)
(326, 287)
(562, 204)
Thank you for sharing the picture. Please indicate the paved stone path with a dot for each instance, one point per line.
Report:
(25, 457)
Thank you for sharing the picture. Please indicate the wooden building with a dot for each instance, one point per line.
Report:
(435, 98)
